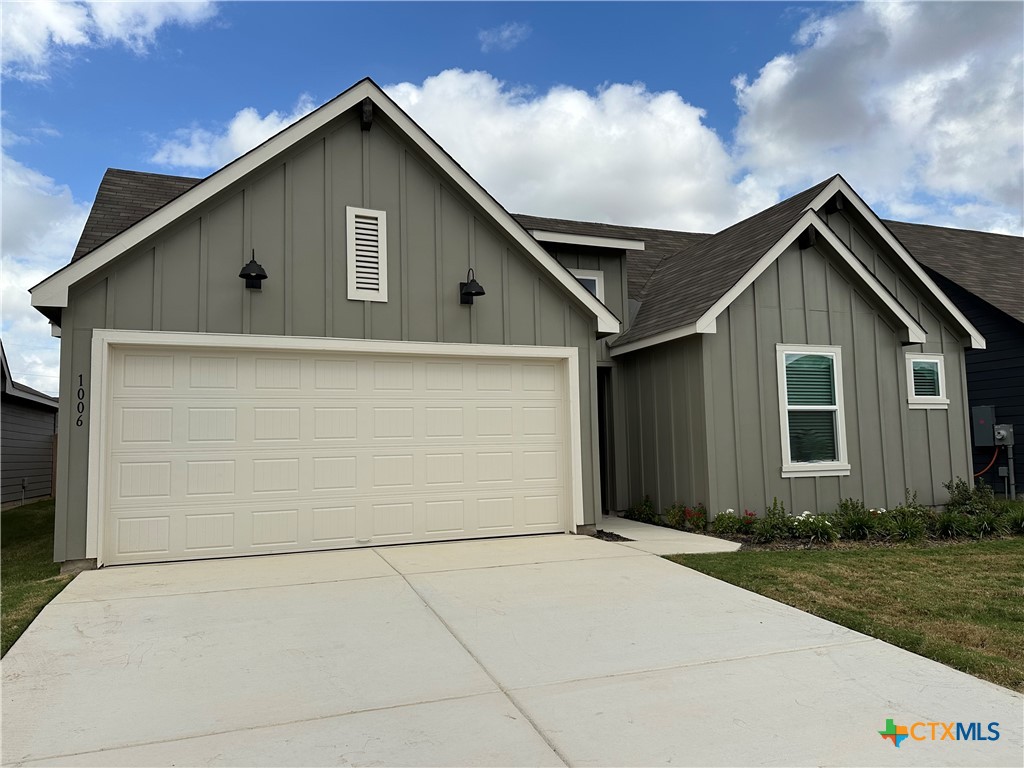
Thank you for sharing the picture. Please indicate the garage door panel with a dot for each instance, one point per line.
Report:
(214, 454)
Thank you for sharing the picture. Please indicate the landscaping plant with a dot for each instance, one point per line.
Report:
(643, 512)
(855, 521)
(815, 529)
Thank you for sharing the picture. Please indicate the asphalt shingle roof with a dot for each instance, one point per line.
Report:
(659, 244)
(688, 284)
(989, 266)
(679, 275)
(125, 197)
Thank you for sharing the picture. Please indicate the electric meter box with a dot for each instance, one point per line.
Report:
(1003, 434)
(984, 417)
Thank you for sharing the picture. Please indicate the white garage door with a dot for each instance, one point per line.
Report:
(211, 453)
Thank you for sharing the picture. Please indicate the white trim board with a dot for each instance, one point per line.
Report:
(839, 184)
(104, 340)
(595, 241)
(53, 291)
(707, 323)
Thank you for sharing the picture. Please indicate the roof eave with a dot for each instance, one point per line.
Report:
(839, 184)
(53, 291)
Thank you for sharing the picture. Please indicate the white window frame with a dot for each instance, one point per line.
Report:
(791, 468)
(362, 294)
(591, 274)
(922, 401)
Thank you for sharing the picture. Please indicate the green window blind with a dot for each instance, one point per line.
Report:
(810, 380)
(812, 436)
(926, 378)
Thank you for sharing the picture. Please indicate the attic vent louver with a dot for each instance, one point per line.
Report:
(367, 254)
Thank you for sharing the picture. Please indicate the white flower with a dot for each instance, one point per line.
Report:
(730, 511)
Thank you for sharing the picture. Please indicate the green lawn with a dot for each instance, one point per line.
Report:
(962, 604)
(29, 578)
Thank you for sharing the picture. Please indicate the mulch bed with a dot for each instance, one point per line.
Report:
(609, 536)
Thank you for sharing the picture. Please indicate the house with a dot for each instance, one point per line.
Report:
(405, 361)
(983, 274)
(28, 431)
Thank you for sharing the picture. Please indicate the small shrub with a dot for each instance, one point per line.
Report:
(726, 523)
(697, 518)
(952, 525)
(988, 523)
(907, 522)
(815, 529)
(775, 524)
(854, 521)
(1011, 514)
(966, 500)
(675, 516)
(643, 511)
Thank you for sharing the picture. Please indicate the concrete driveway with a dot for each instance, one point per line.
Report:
(531, 651)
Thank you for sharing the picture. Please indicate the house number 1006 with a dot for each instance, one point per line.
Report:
(80, 401)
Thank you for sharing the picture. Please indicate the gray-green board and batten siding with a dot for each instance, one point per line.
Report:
(292, 213)
(701, 414)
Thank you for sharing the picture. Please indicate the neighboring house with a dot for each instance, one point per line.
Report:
(983, 274)
(28, 430)
(418, 365)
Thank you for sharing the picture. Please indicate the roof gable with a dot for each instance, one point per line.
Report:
(685, 287)
(838, 185)
(53, 291)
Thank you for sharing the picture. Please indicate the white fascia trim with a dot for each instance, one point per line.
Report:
(592, 240)
(53, 291)
(915, 333)
(660, 338)
(839, 184)
(104, 340)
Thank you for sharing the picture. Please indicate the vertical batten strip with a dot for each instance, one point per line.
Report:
(289, 246)
(204, 271)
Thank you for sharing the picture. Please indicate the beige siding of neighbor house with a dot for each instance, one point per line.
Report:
(292, 212)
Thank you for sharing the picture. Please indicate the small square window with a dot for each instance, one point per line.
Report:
(926, 381)
(592, 280)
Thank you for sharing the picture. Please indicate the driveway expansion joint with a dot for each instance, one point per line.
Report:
(504, 691)
(260, 727)
(695, 664)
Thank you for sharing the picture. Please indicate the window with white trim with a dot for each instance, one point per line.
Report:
(367, 254)
(811, 410)
(926, 381)
(592, 280)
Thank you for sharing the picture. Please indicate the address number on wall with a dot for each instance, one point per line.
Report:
(80, 401)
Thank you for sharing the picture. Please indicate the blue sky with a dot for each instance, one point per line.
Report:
(681, 115)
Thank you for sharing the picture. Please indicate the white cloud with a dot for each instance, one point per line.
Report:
(34, 33)
(504, 37)
(623, 154)
(920, 107)
(204, 149)
(41, 225)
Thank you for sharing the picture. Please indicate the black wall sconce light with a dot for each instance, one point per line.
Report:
(253, 273)
(470, 289)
